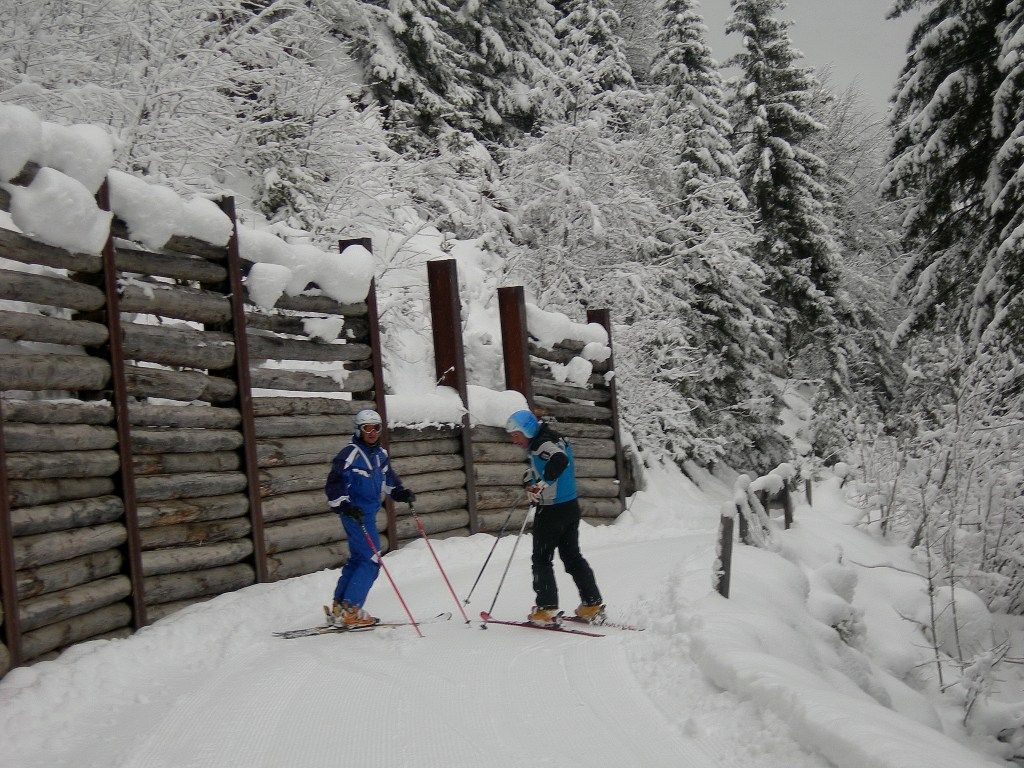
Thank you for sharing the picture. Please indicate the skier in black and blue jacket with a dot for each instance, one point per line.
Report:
(551, 488)
(360, 475)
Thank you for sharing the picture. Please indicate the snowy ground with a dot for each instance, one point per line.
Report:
(759, 680)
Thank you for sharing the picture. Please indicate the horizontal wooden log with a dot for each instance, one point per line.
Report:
(540, 371)
(436, 501)
(574, 430)
(340, 427)
(404, 448)
(595, 468)
(323, 305)
(274, 348)
(173, 463)
(17, 247)
(435, 481)
(498, 453)
(277, 481)
(438, 521)
(303, 532)
(298, 381)
(168, 587)
(30, 493)
(52, 437)
(600, 507)
(175, 345)
(174, 265)
(156, 612)
(293, 451)
(546, 407)
(590, 448)
(500, 474)
(491, 522)
(417, 465)
(554, 390)
(185, 440)
(188, 485)
(36, 373)
(178, 385)
(67, 603)
(307, 406)
(353, 328)
(295, 505)
(598, 488)
(177, 302)
(297, 562)
(176, 559)
(74, 630)
(400, 434)
(562, 355)
(598, 521)
(54, 412)
(43, 548)
(24, 326)
(38, 465)
(32, 582)
(183, 416)
(178, 243)
(52, 291)
(198, 509)
(48, 518)
(195, 533)
(500, 497)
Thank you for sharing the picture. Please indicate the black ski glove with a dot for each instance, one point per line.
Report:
(352, 512)
(404, 495)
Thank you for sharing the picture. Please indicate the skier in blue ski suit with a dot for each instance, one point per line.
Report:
(360, 475)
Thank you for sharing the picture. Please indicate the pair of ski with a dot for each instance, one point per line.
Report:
(334, 629)
(486, 618)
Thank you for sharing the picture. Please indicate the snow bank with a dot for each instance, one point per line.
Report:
(83, 152)
(491, 408)
(57, 210)
(20, 139)
(202, 219)
(440, 406)
(151, 211)
(549, 328)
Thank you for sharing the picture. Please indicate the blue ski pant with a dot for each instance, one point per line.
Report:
(359, 573)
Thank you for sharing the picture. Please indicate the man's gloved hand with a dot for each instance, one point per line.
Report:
(534, 492)
(352, 512)
(404, 495)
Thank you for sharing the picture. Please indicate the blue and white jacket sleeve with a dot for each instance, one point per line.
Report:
(392, 482)
(337, 479)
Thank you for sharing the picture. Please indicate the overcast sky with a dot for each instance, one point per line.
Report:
(853, 36)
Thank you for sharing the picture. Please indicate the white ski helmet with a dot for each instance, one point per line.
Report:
(367, 416)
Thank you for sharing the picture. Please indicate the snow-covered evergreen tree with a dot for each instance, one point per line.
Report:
(782, 178)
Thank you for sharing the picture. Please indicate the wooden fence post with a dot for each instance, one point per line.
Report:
(243, 397)
(723, 571)
(787, 506)
(807, 492)
(8, 581)
(124, 478)
(377, 368)
(450, 359)
(514, 341)
(603, 318)
(744, 525)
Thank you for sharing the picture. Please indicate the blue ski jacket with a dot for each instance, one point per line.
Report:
(360, 475)
(551, 460)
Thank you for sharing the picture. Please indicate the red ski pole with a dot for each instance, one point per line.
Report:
(380, 560)
(423, 532)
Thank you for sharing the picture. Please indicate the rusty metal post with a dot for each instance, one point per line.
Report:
(515, 347)
(787, 506)
(8, 581)
(124, 478)
(450, 358)
(243, 396)
(744, 525)
(377, 368)
(723, 572)
(603, 318)
(807, 492)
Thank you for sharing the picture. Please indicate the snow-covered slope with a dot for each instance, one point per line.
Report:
(759, 680)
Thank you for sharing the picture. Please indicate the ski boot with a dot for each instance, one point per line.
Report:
(591, 613)
(352, 616)
(544, 617)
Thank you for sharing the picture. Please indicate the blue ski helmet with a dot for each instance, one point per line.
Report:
(523, 421)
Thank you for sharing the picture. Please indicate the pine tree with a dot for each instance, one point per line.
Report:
(781, 177)
(957, 111)
(712, 235)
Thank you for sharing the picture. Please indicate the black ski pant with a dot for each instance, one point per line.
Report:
(557, 527)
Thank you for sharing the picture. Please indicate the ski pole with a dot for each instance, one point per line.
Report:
(380, 561)
(526, 519)
(493, 547)
(423, 532)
